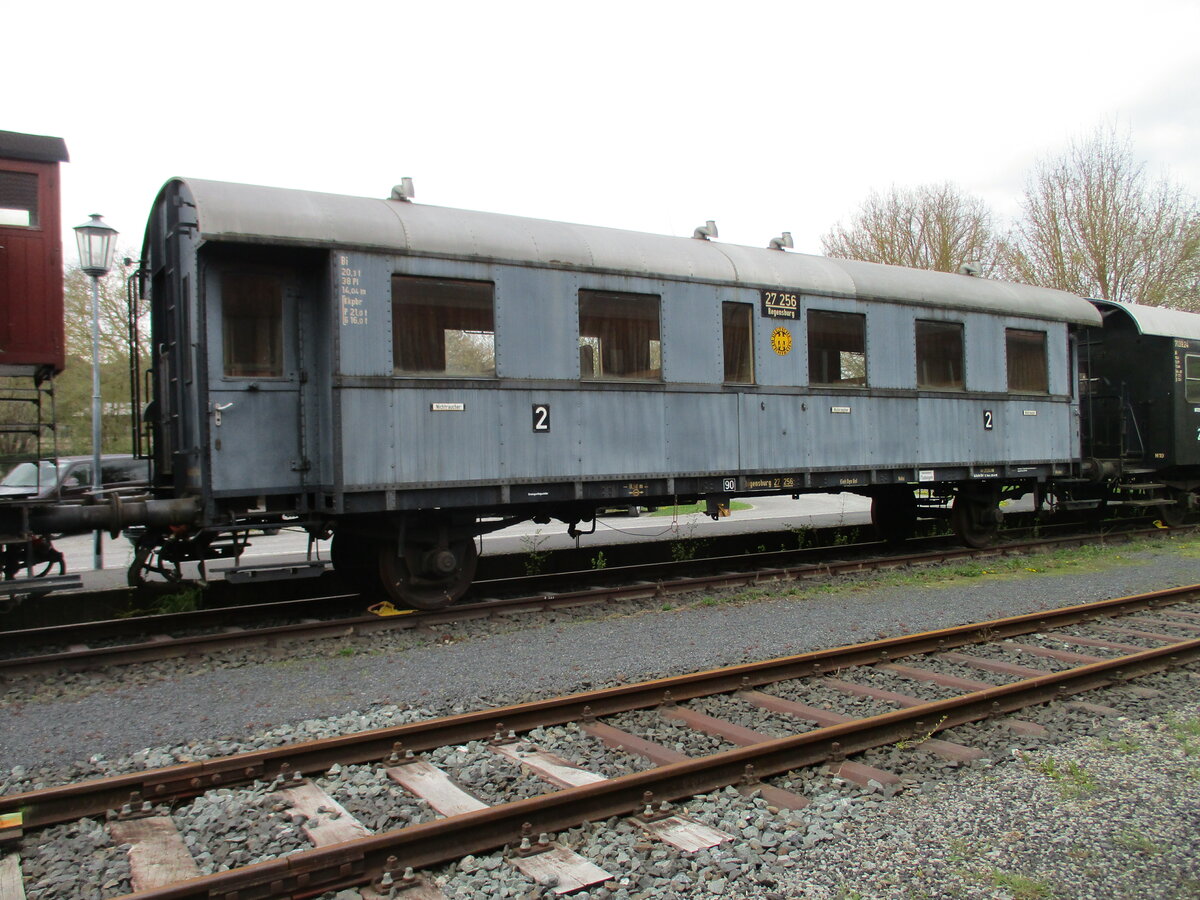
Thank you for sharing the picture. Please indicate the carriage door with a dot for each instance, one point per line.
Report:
(254, 403)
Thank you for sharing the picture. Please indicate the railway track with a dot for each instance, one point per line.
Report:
(143, 639)
(610, 758)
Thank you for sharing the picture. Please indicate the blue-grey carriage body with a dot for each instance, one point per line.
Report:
(409, 376)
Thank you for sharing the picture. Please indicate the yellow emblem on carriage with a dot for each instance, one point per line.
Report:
(781, 341)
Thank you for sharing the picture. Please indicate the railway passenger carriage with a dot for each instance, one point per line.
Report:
(1140, 377)
(410, 377)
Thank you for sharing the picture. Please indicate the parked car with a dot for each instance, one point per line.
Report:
(71, 476)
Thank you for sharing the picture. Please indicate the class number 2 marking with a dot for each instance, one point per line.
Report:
(541, 418)
(988, 421)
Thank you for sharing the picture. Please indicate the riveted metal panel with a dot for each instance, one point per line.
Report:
(895, 432)
(537, 323)
(256, 447)
(773, 431)
(361, 288)
(948, 430)
(842, 431)
(702, 433)
(1036, 430)
(414, 435)
(534, 446)
(780, 350)
(621, 432)
(891, 353)
(691, 325)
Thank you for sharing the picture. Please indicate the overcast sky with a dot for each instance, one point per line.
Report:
(766, 117)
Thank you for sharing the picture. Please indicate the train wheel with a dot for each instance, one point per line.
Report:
(976, 517)
(428, 578)
(355, 560)
(894, 514)
(1174, 514)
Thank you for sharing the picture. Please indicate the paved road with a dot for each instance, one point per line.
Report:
(766, 514)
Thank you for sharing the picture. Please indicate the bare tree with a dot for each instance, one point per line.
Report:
(928, 227)
(74, 386)
(1094, 224)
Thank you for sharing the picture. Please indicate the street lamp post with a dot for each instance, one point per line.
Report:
(97, 241)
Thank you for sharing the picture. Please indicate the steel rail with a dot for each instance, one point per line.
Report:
(146, 651)
(357, 862)
(49, 806)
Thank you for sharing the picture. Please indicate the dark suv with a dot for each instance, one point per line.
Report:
(72, 476)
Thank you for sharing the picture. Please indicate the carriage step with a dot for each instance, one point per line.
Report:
(39, 586)
(1141, 486)
(1079, 504)
(276, 572)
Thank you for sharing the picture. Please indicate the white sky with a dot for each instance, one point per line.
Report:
(648, 115)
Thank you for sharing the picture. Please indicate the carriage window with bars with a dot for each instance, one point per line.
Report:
(619, 336)
(737, 320)
(939, 355)
(18, 199)
(1026, 354)
(252, 325)
(837, 348)
(442, 326)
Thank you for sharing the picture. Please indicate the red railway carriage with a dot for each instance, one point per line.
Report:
(31, 263)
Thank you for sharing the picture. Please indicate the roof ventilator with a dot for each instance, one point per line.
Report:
(705, 231)
(404, 191)
(781, 242)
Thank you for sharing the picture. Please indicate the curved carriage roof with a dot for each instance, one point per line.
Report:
(1155, 320)
(236, 212)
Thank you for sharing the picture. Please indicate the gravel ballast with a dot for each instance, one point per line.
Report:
(1016, 824)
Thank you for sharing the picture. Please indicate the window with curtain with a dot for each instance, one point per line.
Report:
(1026, 355)
(443, 327)
(940, 355)
(619, 336)
(837, 348)
(252, 325)
(737, 325)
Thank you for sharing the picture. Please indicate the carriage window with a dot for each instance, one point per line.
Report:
(18, 199)
(1191, 375)
(619, 336)
(1026, 352)
(252, 325)
(736, 326)
(837, 348)
(940, 355)
(443, 327)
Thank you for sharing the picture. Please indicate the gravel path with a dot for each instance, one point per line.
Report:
(1009, 827)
